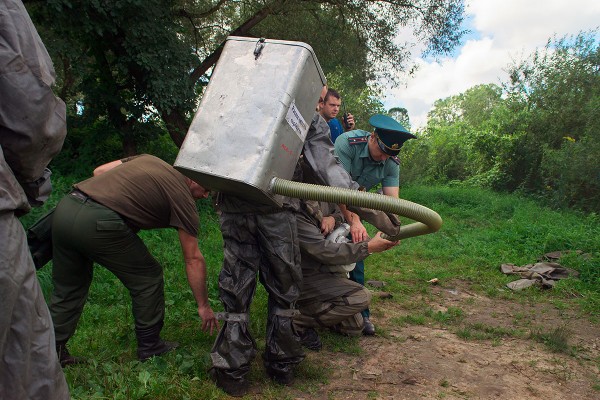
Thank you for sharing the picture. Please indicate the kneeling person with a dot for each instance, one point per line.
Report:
(328, 298)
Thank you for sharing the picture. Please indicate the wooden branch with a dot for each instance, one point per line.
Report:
(242, 30)
(185, 14)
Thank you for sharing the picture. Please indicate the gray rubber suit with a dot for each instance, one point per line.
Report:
(32, 130)
(257, 240)
(261, 239)
(328, 298)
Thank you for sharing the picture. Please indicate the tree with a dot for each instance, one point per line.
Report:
(400, 114)
(538, 133)
(559, 87)
(139, 62)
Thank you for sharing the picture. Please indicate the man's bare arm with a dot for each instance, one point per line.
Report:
(195, 268)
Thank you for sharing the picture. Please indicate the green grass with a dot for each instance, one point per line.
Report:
(481, 230)
(556, 340)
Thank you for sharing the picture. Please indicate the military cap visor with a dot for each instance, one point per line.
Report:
(390, 134)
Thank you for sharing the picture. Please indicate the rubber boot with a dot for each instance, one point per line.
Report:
(64, 357)
(150, 344)
(229, 383)
(368, 327)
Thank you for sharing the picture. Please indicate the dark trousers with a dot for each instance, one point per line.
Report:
(84, 232)
(358, 275)
(268, 245)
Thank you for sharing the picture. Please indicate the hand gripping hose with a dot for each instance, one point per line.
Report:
(428, 221)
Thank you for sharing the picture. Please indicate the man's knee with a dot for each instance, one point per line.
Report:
(359, 298)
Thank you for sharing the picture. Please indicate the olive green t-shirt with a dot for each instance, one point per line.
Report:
(147, 192)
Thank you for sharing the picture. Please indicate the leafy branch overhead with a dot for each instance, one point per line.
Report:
(134, 63)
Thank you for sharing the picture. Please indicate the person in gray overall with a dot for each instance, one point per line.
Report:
(328, 298)
(32, 131)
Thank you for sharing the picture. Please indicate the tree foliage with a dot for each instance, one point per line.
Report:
(539, 132)
(139, 66)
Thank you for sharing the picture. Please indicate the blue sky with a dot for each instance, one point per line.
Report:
(502, 32)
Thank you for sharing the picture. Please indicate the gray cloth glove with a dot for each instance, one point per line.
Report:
(385, 222)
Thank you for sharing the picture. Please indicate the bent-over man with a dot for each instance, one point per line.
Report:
(98, 221)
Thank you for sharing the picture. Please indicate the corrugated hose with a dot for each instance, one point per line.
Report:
(428, 221)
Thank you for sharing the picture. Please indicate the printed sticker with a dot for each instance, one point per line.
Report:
(296, 121)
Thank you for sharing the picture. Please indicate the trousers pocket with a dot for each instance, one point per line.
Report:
(116, 224)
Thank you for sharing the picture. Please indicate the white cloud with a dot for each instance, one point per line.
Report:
(506, 30)
(515, 23)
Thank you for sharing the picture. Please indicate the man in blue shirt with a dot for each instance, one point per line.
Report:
(329, 108)
(371, 159)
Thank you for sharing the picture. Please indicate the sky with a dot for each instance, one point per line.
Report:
(502, 31)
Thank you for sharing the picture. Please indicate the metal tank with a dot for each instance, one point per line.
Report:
(253, 118)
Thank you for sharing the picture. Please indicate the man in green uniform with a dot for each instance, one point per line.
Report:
(328, 298)
(371, 159)
(32, 131)
(98, 221)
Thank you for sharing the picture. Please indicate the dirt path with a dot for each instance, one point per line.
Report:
(431, 361)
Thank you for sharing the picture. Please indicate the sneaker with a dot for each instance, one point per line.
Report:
(309, 338)
(368, 327)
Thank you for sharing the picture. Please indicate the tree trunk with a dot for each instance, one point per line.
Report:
(129, 145)
(177, 126)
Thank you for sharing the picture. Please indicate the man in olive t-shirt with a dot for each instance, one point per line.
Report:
(98, 221)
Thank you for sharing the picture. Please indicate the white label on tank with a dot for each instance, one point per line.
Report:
(296, 121)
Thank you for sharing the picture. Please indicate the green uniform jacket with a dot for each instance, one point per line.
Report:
(352, 150)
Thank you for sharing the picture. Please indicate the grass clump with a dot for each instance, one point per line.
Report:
(555, 340)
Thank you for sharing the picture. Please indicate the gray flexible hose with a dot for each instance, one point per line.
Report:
(428, 221)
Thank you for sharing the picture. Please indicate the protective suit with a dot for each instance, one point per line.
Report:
(263, 239)
(266, 243)
(328, 298)
(32, 130)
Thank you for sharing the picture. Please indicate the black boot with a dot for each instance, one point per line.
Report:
(368, 327)
(228, 382)
(65, 357)
(309, 338)
(150, 344)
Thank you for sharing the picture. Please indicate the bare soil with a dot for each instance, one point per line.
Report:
(432, 362)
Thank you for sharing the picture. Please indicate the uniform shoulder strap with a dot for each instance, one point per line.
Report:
(358, 140)
(395, 159)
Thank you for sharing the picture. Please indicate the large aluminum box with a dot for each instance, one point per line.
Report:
(253, 118)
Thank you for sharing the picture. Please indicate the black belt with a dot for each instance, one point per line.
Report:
(78, 194)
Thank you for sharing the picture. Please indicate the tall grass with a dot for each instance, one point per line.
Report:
(481, 230)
